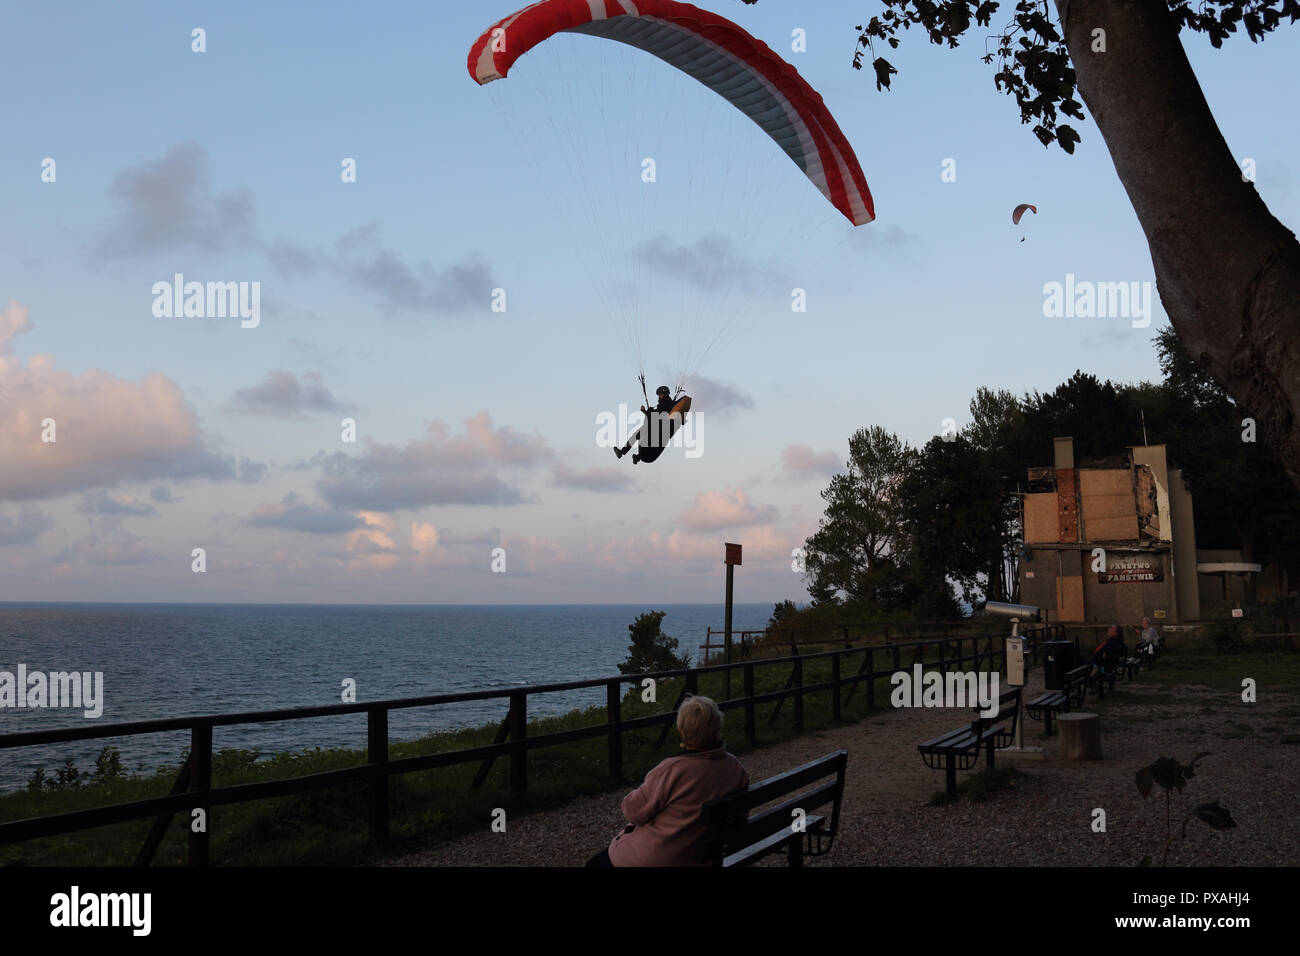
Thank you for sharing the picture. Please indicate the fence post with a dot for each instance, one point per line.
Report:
(377, 757)
(518, 734)
(798, 693)
(835, 691)
(750, 735)
(614, 717)
(200, 782)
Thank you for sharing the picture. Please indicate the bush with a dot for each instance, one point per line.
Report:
(1226, 635)
(651, 649)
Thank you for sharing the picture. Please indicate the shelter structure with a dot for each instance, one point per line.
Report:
(1109, 540)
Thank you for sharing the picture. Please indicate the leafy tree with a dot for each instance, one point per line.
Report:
(781, 613)
(1101, 417)
(852, 557)
(1243, 497)
(960, 526)
(946, 518)
(652, 650)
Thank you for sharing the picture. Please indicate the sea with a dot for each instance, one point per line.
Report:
(178, 660)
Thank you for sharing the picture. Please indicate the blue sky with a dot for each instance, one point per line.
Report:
(376, 297)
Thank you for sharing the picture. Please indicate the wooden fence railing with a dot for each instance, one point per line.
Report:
(193, 789)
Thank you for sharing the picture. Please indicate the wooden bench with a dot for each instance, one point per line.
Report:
(1045, 706)
(1103, 678)
(739, 837)
(1148, 654)
(1132, 665)
(960, 749)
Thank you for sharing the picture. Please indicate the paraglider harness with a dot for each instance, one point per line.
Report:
(658, 440)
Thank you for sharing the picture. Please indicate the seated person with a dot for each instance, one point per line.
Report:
(1110, 653)
(1150, 640)
(665, 812)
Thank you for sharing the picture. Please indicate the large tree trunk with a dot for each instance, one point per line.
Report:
(1227, 271)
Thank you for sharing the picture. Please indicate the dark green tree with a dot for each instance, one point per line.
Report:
(1243, 497)
(651, 649)
(853, 556)
(959, 526)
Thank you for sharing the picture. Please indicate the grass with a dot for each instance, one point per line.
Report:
(980, 786)
(328, 826)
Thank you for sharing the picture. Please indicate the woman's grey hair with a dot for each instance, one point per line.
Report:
(699, 721)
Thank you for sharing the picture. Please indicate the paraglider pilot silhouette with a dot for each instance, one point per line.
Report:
(661, 423)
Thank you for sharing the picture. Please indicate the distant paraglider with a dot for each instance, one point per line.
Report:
(1020, 211)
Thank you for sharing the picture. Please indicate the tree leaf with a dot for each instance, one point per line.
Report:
(1168, 772)
(1215, 815)
(1067, 137)
(883, 71)
(1145, 778)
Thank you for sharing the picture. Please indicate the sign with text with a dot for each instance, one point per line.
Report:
(1131, 567)
(733, 554)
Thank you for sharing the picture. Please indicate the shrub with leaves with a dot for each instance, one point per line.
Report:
(1172, 775)
(651, 649)
(108, 766)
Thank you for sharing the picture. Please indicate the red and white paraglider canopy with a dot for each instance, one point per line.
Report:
(713, 50)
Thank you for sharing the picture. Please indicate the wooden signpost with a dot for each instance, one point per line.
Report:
(732, 559)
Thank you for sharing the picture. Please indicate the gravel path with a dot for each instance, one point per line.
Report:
(1046, 820)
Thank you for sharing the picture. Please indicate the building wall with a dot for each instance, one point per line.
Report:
(1211, 586)
(1186, 586)
(1040, 518)
(1127, 602)
(1108, 510)
(1092, 506)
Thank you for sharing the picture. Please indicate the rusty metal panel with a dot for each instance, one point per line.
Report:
(1067, 514)
(1148, 510)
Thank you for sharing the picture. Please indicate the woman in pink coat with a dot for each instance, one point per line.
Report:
(664, 812)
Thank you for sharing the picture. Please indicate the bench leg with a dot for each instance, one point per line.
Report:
(950, 775)
(796, 851)
(989, 750)
(1047, 723)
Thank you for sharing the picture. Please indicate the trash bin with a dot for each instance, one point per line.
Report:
(1058, 659)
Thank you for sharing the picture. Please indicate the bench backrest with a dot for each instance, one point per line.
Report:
(1008, 709)
(808, 788)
